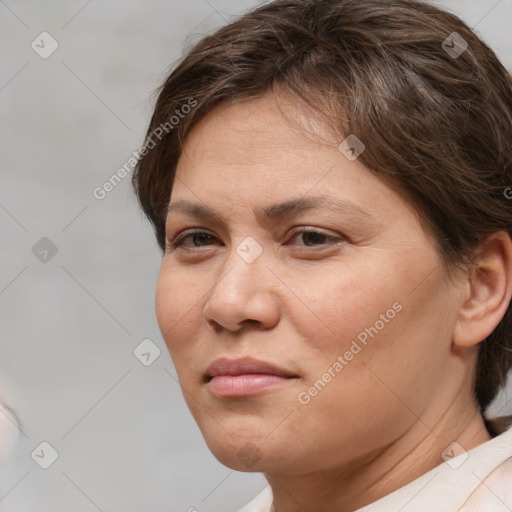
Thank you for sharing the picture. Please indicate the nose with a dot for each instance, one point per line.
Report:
(243, 294)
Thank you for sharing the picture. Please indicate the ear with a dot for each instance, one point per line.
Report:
(489, 291)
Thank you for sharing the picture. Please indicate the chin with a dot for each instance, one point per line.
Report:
(238, 447)
(245, 456)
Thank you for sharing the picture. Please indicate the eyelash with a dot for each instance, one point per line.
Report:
(179, 242)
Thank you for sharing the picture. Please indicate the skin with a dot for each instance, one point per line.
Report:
(392, 410)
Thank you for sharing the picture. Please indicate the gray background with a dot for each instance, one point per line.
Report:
(69, 325)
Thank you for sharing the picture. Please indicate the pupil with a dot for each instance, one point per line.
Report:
(201, 236)
(317, 237)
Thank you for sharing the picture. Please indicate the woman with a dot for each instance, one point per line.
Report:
(328, 183)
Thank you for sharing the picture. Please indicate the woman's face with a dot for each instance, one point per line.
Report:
(356, 310)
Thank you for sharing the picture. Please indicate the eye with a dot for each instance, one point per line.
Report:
(200, 237)
(313, 236)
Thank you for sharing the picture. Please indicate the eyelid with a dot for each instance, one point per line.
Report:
(190, 231)
(309, 229)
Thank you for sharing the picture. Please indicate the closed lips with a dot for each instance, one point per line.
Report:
(233, 367)
(245, 377)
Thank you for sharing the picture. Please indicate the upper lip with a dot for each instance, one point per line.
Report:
(245, 365)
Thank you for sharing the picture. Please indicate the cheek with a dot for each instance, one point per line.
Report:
(166, 302)
(177, 298)
(338, 303)
(375, 317)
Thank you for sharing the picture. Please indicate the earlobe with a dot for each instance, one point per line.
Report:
(490, 291)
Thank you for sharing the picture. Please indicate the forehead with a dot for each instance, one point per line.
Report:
(253, 156)
(258, 129)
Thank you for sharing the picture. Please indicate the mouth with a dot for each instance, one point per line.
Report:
(230, 378)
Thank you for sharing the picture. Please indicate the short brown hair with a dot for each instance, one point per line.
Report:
(437, 126)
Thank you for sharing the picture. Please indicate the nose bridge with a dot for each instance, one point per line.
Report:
(242, 291)
(242, 268)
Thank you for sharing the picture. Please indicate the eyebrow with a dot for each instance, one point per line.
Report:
(275, 211)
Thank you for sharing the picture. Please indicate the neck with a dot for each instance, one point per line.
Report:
(358, 483)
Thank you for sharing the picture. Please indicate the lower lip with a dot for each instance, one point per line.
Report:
(243, 385)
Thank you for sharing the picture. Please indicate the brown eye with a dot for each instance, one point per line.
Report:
(199, 239)
(312, 237)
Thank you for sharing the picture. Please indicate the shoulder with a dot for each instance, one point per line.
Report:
(494, 494)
